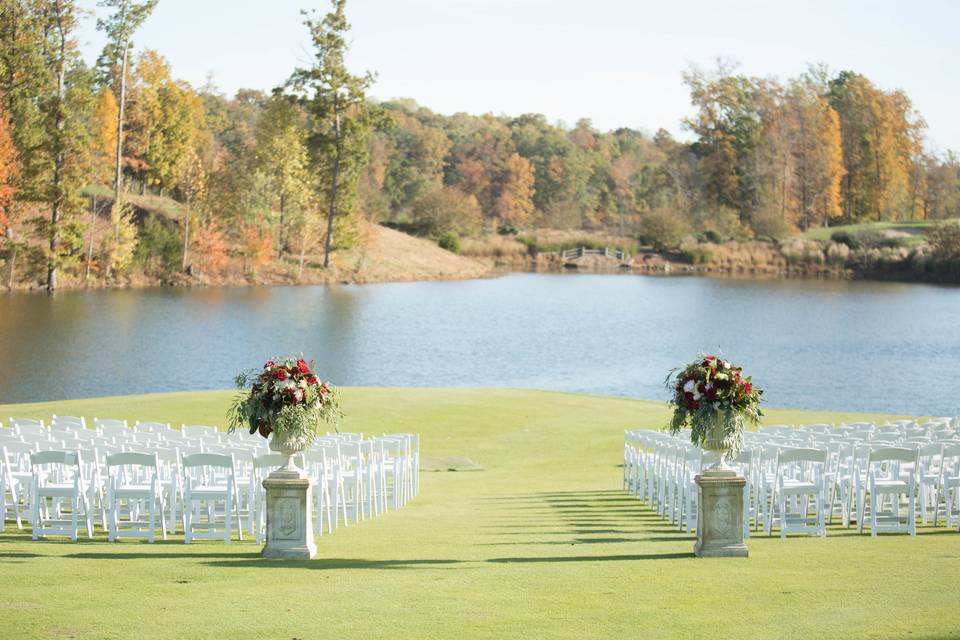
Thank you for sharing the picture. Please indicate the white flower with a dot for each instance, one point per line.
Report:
(721, 376)
(696, 395)
(690, 386)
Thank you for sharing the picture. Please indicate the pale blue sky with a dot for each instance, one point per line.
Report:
(616, 62)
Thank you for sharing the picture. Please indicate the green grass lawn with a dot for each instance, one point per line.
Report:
(540, 544)
(917, 230)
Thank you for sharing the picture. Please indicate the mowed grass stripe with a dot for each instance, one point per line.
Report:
(541, 543)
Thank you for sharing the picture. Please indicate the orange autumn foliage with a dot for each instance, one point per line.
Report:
(210, 248)
(9, 168)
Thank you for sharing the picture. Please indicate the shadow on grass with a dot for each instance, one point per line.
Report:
(185, 555)
(617, 558)
(332, 563)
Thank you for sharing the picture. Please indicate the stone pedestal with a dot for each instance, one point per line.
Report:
(289, 521)
(720, 515)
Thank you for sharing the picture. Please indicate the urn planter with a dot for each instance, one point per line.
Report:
(289, 505)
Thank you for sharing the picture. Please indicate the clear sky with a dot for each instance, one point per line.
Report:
(617, 62)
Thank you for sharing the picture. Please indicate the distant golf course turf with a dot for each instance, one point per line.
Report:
(539, 544)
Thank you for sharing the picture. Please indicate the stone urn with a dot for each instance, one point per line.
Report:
(289, 447)
(718, 444)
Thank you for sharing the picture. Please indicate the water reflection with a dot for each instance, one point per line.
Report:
(826, 344)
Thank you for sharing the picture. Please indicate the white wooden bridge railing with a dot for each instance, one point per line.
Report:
(579, 252)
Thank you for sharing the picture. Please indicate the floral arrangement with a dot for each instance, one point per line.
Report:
(711, 391)
(286, 397)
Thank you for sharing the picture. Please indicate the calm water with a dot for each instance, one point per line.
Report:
(813, 344)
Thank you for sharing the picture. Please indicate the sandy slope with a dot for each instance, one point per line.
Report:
(389, 255)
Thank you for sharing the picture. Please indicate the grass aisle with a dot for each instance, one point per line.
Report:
(539, 544)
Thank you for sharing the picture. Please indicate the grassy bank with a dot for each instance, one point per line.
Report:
(540, 544)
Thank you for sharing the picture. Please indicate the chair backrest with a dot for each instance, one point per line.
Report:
(803, 455)
(891, 454)
(110, 427)
(269, 461)
(67, 423)
(218, 460)
(29, 428)
(199, 430)
(132, 458)
(67, 458)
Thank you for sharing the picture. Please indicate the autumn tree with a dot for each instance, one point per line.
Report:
(66, 107)
(515, 203)
(281, 153)
(336, 102)
(446, 210)
(119, 28)
(9, 171)
(192, 184)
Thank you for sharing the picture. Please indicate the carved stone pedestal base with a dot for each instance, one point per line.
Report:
(720, 515)
(289, 524)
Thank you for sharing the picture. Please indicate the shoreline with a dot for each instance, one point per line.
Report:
(34, 408)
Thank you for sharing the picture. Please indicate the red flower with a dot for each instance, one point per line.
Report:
(302, 366)
(747, 388)
(280, 374)
(311, 379)
(712, 394)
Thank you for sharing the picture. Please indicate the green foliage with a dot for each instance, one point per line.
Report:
(446, 210)
(120, 243)
(159, 249)
(663, 228)
(450, 241)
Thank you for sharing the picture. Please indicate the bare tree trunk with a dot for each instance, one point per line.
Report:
(93, 222)
(186, 234)
(13, 260)
(303, 251)
(283, 202)
(55, 211)
(333, 191)
(118, 177)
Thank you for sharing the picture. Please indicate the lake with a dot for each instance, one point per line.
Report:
(836, 345)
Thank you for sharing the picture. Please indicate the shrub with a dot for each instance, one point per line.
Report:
(159, 249)
(694, 252)
(712, 236)
(663, 229)
(450, 241)
(844, 238)
(837, 253)
(446, 210)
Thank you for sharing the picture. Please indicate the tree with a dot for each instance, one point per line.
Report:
(515, 204)
(192, 183)
(447, 210)
(282, 154)
(119, 28)
(9, 170)
(336, 102)
(65, 108)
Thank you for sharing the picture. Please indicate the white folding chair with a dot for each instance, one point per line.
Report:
(949, 485)
(263, 465)
(799, 476)
(891, 473)
(134, 482)
(15, 481)
(209, 478)
(58, 476)
(67, 423)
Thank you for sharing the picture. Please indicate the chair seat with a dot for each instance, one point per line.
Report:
(890, 486)
(132, 491)
(209, 490)
(56, 490)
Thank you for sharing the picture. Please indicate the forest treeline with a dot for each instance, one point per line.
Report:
(290, 174)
